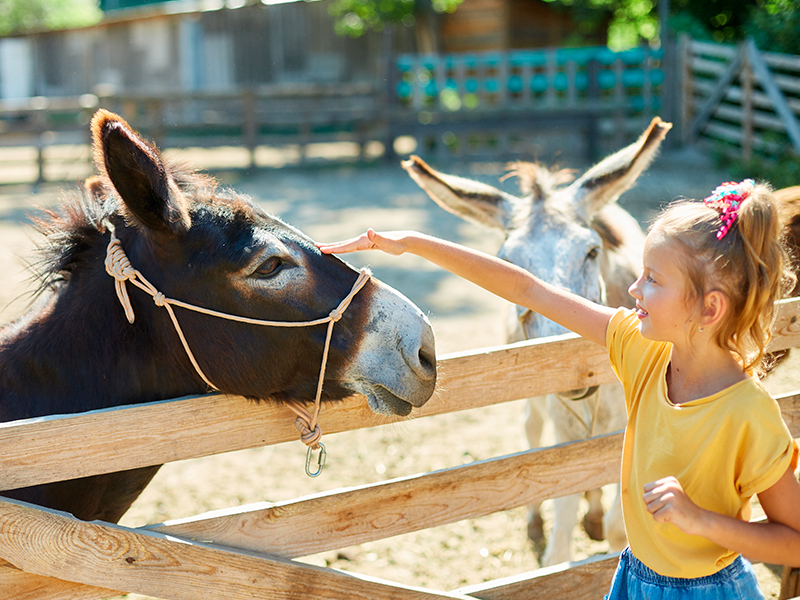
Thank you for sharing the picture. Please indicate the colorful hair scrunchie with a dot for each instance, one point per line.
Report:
(726, 200)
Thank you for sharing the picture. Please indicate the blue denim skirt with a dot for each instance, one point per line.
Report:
(634, 581)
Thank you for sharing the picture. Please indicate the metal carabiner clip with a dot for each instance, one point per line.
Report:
(320, 461)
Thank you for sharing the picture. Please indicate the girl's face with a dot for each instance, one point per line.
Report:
(662, 305)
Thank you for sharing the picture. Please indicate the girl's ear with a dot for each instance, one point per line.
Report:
(715, 306)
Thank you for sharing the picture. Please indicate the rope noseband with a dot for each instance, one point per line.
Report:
(119, 267)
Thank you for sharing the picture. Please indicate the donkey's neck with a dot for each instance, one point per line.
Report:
(75, 351)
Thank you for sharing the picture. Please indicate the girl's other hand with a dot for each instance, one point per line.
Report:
(668, 503)
(391, 243)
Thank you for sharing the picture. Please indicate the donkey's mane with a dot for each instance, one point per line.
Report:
(538, 180)
(69, 230)
(75, 226)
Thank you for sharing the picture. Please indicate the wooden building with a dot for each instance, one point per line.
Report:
(484, 25)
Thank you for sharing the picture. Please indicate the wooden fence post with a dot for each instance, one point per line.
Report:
(250, 125)
(684, 83)
(790, 583)
(387, 94)
(747, 107)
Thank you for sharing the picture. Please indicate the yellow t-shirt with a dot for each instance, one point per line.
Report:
(723, 449)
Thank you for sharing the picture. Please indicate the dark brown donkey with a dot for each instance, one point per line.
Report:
(75, 350)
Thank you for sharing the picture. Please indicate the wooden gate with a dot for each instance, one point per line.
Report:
(248, 553)
(740, 98)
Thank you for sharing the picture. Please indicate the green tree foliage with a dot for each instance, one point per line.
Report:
(772, 23)
(20, 16)
(776, 27)
(356, 17)
(718, 20)
(629, 21)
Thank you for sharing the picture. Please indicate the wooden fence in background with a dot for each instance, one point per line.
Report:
(496, 104)
(247, 553)
(468, 106)
(493, 106)
(739, 99)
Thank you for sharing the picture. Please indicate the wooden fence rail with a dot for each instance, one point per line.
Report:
(247, 551)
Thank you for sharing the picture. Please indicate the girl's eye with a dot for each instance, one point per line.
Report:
(649, 279)
(269, 267)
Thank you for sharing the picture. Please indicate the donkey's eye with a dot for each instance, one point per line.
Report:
(593, 253)
(269, 267)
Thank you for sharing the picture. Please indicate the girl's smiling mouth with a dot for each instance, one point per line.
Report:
(640, 312)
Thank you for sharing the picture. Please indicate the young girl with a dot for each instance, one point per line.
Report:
(703, 436)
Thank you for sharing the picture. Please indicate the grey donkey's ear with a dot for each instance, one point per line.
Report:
(470, 200)
(615, 174)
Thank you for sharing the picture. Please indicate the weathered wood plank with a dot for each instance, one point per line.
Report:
(54, 544)
(712, 49)
(703, 66)
(786, 329)
(42, 450)
(790, 410)
(786, 62)
(358, 515)
(585, 580)
(19, 585)
(734, 135)
(734, 94)
(742, 116)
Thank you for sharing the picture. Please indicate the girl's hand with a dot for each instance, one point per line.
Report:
(391, 243)
(668, 503)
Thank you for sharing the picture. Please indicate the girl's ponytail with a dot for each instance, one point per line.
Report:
(763, 265)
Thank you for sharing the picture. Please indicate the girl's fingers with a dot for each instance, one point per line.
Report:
(388, 242)
(352, 245)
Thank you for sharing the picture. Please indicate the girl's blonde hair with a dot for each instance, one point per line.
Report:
(746, 261)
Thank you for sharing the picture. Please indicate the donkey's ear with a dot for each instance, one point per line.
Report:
(94, 187)
(470, 200)
(136, 171)
(615, 174)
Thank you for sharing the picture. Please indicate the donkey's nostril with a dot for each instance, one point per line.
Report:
(424, 363)
(427, 362)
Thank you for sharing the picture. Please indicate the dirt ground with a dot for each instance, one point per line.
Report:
(332, 203)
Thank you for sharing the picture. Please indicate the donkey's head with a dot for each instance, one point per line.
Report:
(214, 248)
(572, 235)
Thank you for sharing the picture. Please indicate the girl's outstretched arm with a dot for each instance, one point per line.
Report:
(508, 281)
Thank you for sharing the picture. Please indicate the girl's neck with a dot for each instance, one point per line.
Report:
(695, 373)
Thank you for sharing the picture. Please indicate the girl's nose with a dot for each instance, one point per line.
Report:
(634, 290)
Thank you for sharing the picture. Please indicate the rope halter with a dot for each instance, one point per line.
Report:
(119, 267)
